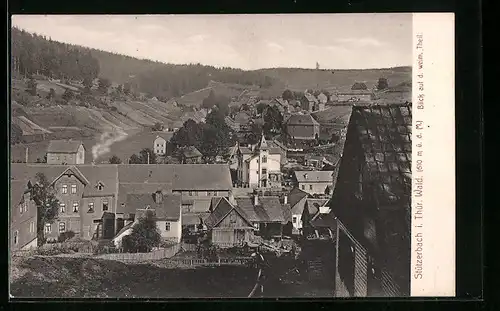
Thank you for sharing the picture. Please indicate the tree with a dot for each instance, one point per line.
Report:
(260, 107)
(52, 93)
(382, 84)
(273, 121)
(245, 107)
(32, 86)
(115, 160)
(147, 156)
(46, 202)
(104, 84)
(287, 95)
(359, 86)
(145, 235)
(68, 95)
(135, 159)
(190, 134)
(209, 101)
(157, 127)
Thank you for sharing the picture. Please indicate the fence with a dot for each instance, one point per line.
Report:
(189, 247)
(238, 261)
(137, 257)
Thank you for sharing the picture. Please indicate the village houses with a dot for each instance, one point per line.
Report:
(310, 103)
(65, 151)
(93, 199)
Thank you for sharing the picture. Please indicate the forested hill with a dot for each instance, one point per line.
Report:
(33, 54)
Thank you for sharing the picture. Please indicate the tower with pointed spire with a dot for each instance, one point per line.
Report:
(263, 152)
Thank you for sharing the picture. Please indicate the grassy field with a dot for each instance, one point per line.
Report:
(66, 277)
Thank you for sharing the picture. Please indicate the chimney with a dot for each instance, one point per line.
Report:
(305, 176)
(256, 199)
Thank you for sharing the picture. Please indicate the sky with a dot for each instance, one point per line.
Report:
(335, 41)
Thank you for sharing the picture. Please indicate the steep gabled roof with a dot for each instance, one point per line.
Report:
(310, 97)
(64, 146)
(295, 196)
(220, 212)
(190, 152)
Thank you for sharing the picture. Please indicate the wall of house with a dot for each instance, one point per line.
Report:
(60, 158)
(202, 194)
(87, 218)
(68, 217)
(297, 224)
(175, 232)
(301, 131)
(24, 223)
(314, 187)
(160, 146)
(273, 164)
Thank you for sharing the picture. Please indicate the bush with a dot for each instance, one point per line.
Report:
(65, 236)
(105, 249)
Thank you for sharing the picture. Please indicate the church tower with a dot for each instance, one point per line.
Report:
(263, 150)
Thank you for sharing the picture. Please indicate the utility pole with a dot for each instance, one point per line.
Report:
(148, 157)
(26, 154)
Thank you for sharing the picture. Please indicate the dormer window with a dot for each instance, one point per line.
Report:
(99, 186)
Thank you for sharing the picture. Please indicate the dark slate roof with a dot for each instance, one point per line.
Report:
(180, 176)
(339, 114)
(378, 138)
(242, 117)
(107, 175)
(313, 205)
(165, 135)
(138, 188)
(287, 212)
(295, 196)
(301, 119)
(168, 209)
(64, 146)
(269, 209)
(324, 221)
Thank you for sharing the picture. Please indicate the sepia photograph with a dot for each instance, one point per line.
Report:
(214, 156)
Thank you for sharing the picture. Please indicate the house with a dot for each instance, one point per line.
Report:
(65, 152)
(333, 121)
(166, 208)
(298, 201)
(23, 217)
(228, 225)
(355, 96)
(372, 203)
(314, 161)
(309, 103)
(160, 144)
(265, 213)
(190, 155)
(280, 103)
(302, 127)
(314, 218)
(315, 182)
(93, 198)
(259, 166)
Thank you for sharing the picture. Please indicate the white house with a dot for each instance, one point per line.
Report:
(160, 145)
(166, 209)
(298, 201)
(315, 182)
(259, 166)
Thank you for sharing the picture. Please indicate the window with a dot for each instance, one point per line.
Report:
(16, 237)
(62, 208)
(91, 207)
(294, 219)
(264, 171)
(216, 193)
(64, 189)
(73, 189)
(21, 209)
(32, 227)
(303, 187)
(190, 193)
(100, 186)
(105, 205)
(48, 228)
(209, 193)
(62, 227)
(75, 207)
(167, 226)
(310, 187)
(264, 159)
(25, 206)
(195, 193)
(157, 145)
